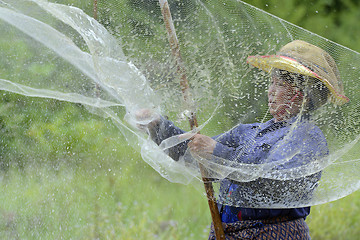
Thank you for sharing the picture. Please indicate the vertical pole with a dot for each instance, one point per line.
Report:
(184, 84)
(95, 9)
(95, 13)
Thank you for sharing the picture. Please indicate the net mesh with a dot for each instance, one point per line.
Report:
(123, 60)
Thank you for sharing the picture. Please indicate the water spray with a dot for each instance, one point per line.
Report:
(175, 49)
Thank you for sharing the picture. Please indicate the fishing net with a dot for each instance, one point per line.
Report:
(122, 61)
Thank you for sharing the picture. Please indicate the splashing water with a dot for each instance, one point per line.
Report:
(128, 57)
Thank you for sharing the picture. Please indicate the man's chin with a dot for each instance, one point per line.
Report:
(273, 112)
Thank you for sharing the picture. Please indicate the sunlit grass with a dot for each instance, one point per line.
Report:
(336, 220)
(133, 202)
(126, 199)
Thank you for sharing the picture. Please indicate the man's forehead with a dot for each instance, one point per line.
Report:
(284, 73)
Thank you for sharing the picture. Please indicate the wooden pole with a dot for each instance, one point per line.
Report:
(95, 9)
(184, 84)
(95, 13)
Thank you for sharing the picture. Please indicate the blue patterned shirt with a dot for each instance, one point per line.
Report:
(282, 145)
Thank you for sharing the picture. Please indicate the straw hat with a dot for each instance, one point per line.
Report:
(306, 59)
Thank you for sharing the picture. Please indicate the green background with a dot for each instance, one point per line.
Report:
(67, 174)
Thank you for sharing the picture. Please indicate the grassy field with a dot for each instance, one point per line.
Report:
(126, 199)
(336, 220)
(104, 200)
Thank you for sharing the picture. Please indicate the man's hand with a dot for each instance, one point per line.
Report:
(200, 144)
(147, 120)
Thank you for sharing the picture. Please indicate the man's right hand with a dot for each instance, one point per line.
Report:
(147, 121)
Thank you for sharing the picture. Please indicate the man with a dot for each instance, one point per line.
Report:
(303, 78)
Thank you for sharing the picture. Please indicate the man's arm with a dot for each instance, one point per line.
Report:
(159, 129)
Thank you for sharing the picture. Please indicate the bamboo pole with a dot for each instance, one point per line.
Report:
(184, 84)
(95, 9)
(95, 13)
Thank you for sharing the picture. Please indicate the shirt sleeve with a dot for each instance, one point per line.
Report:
(229, 142)
(166, 129)
(239, 145)
(298, 147)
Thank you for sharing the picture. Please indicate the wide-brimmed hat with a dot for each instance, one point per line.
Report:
(306, 59)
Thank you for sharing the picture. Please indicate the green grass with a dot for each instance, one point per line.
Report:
(127, 202)
(126, 199)
(132, 202)
(336, 220)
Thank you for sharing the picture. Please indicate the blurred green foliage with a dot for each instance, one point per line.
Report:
(42, 130)
(337, 20)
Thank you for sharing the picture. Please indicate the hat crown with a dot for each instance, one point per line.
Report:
(308, 60)
(316, 59)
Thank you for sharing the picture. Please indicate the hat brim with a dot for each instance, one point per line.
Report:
(268, 62)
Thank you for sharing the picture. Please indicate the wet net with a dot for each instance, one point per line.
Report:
(287, 130)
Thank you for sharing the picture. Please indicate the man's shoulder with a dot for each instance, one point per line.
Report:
(303, 128)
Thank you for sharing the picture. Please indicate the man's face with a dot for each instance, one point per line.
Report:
(284, 98)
